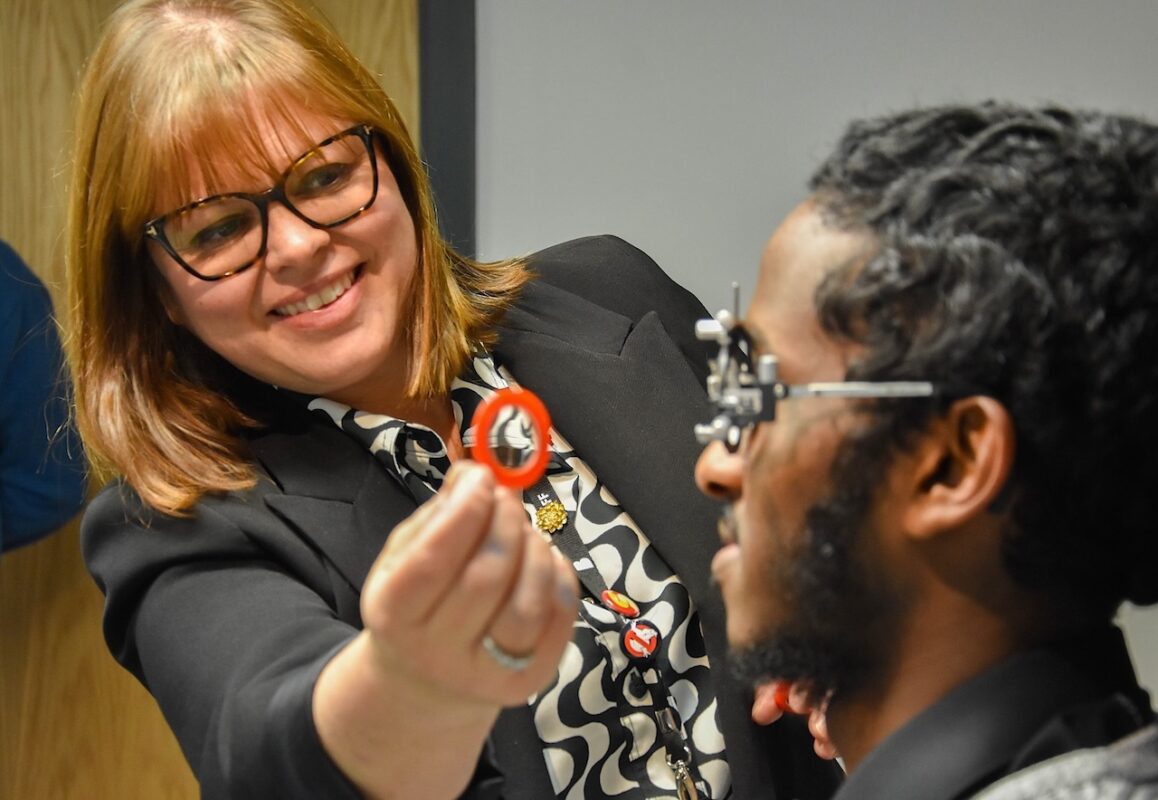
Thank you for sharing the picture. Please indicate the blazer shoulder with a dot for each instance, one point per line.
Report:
(615, 274)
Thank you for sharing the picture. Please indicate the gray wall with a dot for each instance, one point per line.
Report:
(689, 127)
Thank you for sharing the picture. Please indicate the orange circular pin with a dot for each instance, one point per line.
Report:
(619, 603)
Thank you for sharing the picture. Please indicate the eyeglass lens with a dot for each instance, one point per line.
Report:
(224, 233)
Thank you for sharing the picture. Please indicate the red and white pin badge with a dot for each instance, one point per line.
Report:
(639, 640)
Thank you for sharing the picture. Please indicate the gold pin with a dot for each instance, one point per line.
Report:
(551, 516)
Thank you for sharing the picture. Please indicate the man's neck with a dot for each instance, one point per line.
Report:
(931, 660)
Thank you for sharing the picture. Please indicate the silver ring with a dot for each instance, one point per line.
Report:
(504, 659)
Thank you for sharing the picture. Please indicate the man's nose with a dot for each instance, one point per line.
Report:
(719, 473)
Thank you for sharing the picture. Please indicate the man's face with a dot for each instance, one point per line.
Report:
(801, 567)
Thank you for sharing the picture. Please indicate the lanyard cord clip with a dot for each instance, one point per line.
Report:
(639, 638)
(679, 757)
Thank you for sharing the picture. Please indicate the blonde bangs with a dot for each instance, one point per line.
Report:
(204, 140)
(218, 150)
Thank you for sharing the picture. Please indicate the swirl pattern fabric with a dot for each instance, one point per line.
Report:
(599, 734)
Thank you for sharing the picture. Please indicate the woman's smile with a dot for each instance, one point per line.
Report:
(318, 299)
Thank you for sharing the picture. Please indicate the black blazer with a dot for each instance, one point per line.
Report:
(228, 616)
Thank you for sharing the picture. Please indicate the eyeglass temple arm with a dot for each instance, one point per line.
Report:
(740, 403)
(856, 389)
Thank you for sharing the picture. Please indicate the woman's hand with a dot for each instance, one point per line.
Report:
(405, 707)
(776, 698)
(467, 565)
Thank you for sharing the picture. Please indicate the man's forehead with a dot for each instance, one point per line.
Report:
(801, 252)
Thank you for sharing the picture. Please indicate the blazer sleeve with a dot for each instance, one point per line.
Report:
(229, 638)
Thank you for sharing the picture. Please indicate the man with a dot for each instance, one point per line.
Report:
(938, 550)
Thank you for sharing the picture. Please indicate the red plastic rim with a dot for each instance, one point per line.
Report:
(524, 475)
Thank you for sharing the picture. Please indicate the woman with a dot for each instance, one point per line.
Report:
(280, 357)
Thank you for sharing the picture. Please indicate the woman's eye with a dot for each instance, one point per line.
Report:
(221, 232)
(321, 180)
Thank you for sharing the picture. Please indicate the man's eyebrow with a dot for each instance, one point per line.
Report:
(759, 342)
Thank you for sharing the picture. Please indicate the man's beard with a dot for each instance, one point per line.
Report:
(841, 614)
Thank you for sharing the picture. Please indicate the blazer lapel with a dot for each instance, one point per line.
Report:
(334, 494)
(627, 401)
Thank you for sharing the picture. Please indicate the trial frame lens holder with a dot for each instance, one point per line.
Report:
(743, 394)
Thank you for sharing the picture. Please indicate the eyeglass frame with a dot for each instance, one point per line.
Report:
(155, 228)
(743, 398)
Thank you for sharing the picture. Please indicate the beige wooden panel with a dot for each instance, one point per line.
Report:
(43, 44)
(384, 35)
(73, 724)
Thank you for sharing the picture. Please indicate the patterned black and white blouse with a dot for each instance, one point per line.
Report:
(599, 734)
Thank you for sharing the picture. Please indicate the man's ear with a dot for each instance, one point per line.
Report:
(960, 466)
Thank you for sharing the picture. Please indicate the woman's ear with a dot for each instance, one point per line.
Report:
(960, 467)
(168, 300)
(172, 310)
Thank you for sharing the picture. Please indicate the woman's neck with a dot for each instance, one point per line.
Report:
(436, 413)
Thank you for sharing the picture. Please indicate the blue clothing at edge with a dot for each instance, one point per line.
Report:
(42, 468)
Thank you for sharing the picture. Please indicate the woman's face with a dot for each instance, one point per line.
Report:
(322, 312)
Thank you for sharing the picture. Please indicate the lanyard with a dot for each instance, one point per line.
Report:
(638, 638)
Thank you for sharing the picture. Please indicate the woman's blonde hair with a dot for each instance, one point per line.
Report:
(175, 81)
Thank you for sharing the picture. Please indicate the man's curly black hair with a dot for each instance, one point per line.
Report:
(1019, 260)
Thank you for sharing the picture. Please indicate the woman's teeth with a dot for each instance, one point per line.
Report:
(318, 299)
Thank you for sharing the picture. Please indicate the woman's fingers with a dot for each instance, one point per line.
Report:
(818, 727)
(425, 555)
(538, 663)
(775, 698)
(489, 580)
(465, 568)
(563, 600)
(517, 624)
(765, 708)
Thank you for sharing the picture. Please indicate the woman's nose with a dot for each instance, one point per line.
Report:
(719, 473)
(290, 240)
